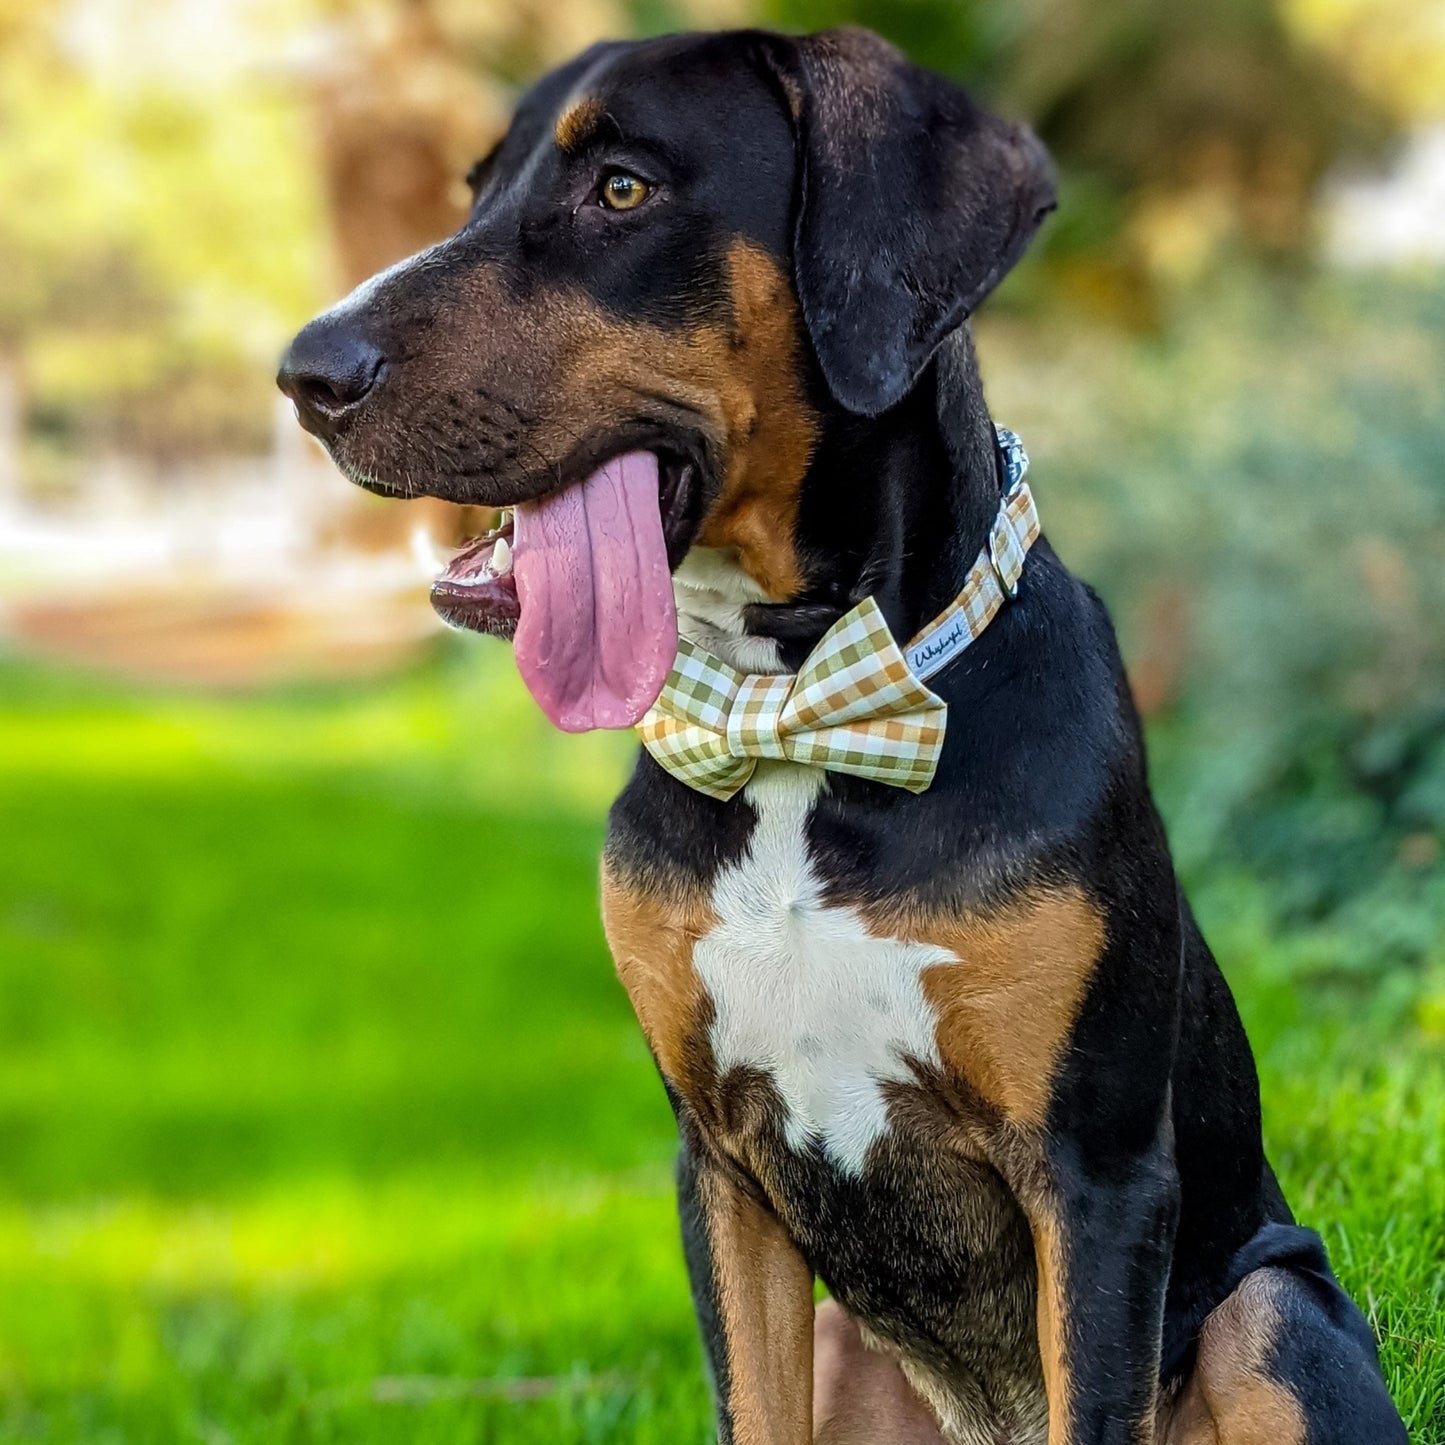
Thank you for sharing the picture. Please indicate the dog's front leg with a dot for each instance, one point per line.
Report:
(1103, 1246)
(754, 1298)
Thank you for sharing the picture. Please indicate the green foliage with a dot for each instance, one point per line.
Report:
(969, 42)
(1260, 497)
(324, 1118)
(162, 232)
(1216, 113)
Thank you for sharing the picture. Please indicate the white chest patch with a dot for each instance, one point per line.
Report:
(712, 590)
(805, 992)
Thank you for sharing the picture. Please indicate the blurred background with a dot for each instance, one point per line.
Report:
(321, 1114)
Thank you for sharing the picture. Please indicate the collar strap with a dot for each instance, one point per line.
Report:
(993, 580)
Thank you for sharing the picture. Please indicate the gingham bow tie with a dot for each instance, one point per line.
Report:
(858, 704)
(853, 707)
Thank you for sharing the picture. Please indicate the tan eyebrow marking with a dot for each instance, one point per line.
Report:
(578, 123)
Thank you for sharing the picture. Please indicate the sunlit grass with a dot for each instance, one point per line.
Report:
(321, 1305)
(465, 725)
(323, 1118)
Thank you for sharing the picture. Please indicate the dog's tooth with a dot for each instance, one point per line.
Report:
(504, 518)
(501, 562)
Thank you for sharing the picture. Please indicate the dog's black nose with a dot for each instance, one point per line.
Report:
(328, 371)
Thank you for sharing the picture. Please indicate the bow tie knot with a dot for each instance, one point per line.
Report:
(758, 716)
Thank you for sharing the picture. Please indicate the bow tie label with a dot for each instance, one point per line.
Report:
(932, 653)
(992, 582)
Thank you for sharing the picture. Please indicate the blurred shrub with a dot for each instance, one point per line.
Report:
(1180, 130)
(160, 232)
(1261, 499)
(1393, 49)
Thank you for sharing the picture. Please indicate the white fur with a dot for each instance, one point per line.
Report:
(711, 591)
(805, 992)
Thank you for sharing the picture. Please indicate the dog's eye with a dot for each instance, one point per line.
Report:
(623, 192)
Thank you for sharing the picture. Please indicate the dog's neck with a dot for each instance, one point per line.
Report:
(896, 507)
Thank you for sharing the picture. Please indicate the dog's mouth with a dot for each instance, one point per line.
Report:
(581, 581)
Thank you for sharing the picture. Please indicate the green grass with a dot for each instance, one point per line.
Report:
(322, 1116)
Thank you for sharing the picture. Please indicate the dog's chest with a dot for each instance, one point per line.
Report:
(829, 1010)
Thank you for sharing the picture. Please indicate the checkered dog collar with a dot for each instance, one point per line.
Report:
(858, 704)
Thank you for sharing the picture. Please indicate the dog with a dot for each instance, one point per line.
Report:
(949, 1041)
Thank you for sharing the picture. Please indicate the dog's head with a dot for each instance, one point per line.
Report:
(685, 259)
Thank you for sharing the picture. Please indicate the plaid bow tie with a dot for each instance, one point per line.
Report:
(858, 704)
(853, 707)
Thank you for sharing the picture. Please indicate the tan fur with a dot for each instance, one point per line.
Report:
(773, 427)
(1005, 1011)
(578, 123)
(652, 938)
(737, 379)
(742, 383)
(1006, 1008)
(559, 372)
(1230, 1398)
(765, 1297)
(1052, 1290)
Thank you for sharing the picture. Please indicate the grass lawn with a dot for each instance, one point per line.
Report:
(322, 1117)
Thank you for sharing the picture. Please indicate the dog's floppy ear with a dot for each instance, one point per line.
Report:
(913, 203)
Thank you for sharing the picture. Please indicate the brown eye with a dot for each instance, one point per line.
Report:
(623, 192)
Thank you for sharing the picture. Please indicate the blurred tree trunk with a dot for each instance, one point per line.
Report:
(401, 118)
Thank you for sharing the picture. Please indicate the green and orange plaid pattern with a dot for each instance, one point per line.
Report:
(854, 707)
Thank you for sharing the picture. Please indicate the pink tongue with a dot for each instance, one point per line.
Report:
(598, 630)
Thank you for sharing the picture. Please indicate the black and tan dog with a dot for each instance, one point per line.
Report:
(963, 1055)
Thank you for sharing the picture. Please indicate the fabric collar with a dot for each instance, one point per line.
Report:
(993, 580)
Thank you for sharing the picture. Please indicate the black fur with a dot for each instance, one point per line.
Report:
(894, 204)
(912, 205)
